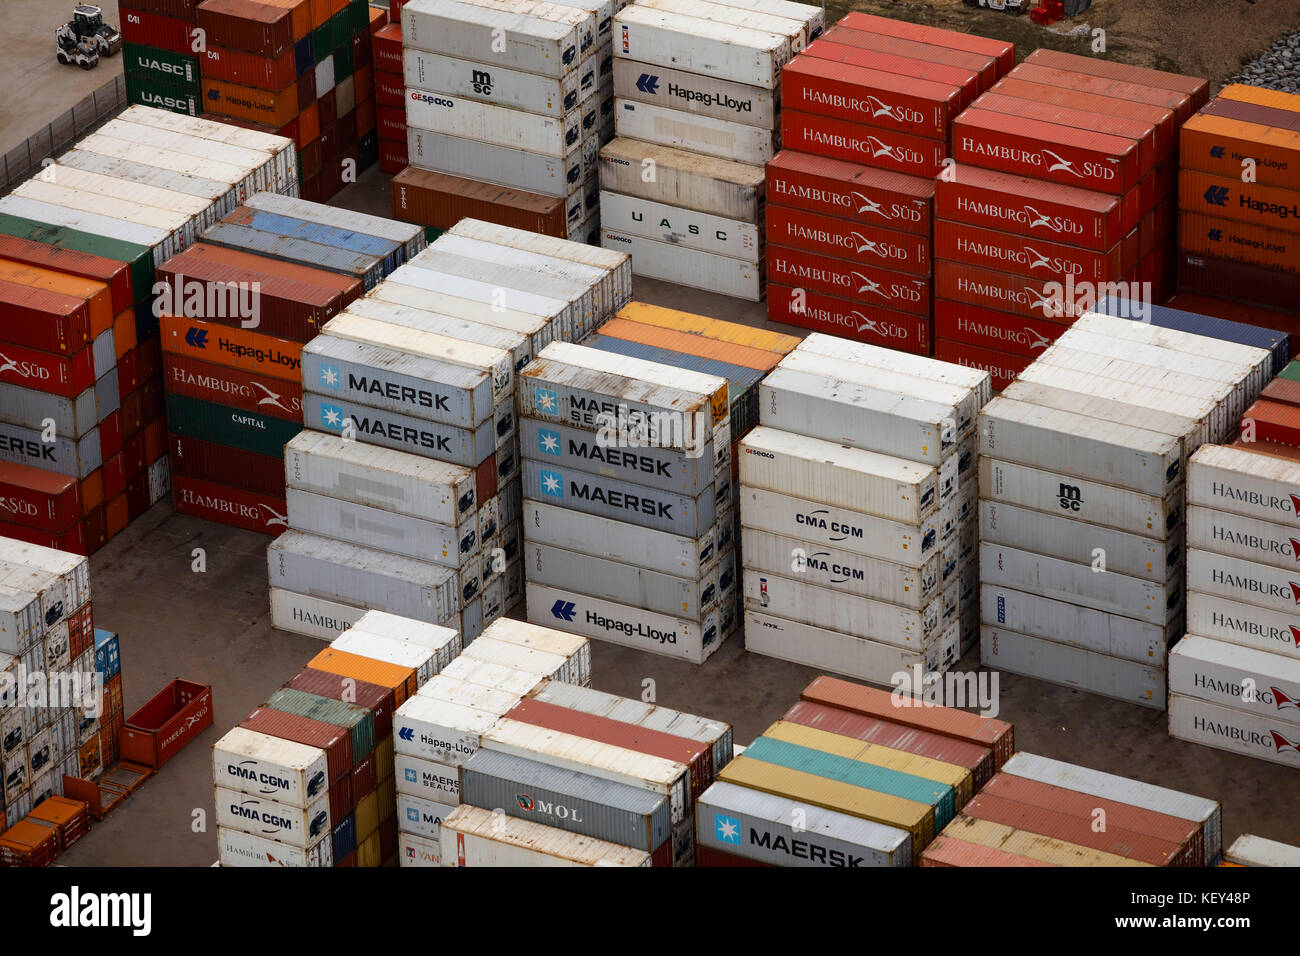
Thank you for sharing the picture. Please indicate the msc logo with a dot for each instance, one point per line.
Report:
(331, 417)
(547, 401)
(548, 442)
(726, 829)
(552, 484)
(1071, 496)
(331, 377)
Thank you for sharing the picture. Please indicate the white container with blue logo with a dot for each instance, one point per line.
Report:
(622, 500)
(302, 827)
(264, 766)
(438, 731)
(648, 465)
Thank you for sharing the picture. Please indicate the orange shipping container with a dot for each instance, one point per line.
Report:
(124, 339)
(1232, 199)
(1227, 239)
(948, 851)
(116, 515)
(99, 302)
(1214, 144)
(663, 338)
(246, 103)
(308, 125)
(320, 12)
(300, 15)
(1262, 97)
(403, 680)
(232, 347)
(708, 328)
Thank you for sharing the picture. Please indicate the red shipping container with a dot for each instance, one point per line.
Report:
(225, 465)
(336, 741)
(850, 191)
(967, 81)
(250, 69)
(1282, 390)
(390, 89)
(171, 719)
(991, 249)
(248, 26)
(386, 47)
(1160, 119)
(128, 373)
(72, 539)
(1239, 281)
(392, 156)
(153, 404)
(870, 97)
(37, 498)
(110, 433)
(114, 471)
(178, 9)
(1004, 52)
(856, 242)
(233, 387)
(137, 495)
(1077, 118)
(392, 123)
(991, 329)
(67, 375)
(1055, 300)
(1195, 88)
(374, 698)
(851, 320)
(388, 837)
(1001, 366)
(251, 510)
(849, 280)
(1103, 86)
(116, 275)
(1272, 421)
(707, 856)
(81, 630)
(948, 851)
(1031, 207)
(132, 412)
(1046, 151)
(840, 139)
(40, 319)
(150, 29)
(435, 199)
(362, 57)
(364, 778)
(985, 67)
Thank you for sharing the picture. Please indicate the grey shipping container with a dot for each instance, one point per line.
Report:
(610, 498)
(376, 528)
(581, 449)
(369, 269)
(394, 430)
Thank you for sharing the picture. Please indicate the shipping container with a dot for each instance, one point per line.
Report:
(841, 238)
(497, 125)
(655, 592)
(723, 138)
(1241, 580)
(533, 172)
(1251, 539)
(680, 226)
(1195, 89)
(476, 837)
(1231, 729)
(510, 88)
(871, 97)
(239, 848)
(1242, 678)
(541, 46)
(302, 827)
(1247, 625)
(73, 262)
(873, 146)
(544, 663)
(439, 201)
(656, 467)
(1217, 145)
(1213, 276)
(157, 241)
(641, 505)
(659, 85)
(1250, 850)
(739, 55)
(409, 237)
(218, 384)
(693, 268)
(844, 571)
(1126, 680)
(874, 284)
(315, 617)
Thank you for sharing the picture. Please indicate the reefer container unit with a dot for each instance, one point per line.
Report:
(713, 49)
(423, 660)
(679, 226)
(1238, 731)
(302, 827)
(1251, 539)
(903, 363)
(674, 471)
(870, 97)
(1266, 685)
(689, 267)
(870, 145)
(701, 95)
(754, 18)
(725, 139)
(271, 767)
(990, 835)
(855, 616)
(439, 730)
(358, 721)
(1239, 580)
(540, 45)
(488, 700)
(472, 836)
(637, 504)
(408, 237)
(1245, 483)
(626, 583)
(239, 848)
(528, 660)
(315, 617)
(533, 172)
(1247, 625)
(496, 677)
(844, 571)
(850, 191)
(498, 125)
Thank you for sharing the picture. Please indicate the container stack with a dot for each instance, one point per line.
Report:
(1234, 680)
(50, 721)
(697, 117)
(1065, 186)
(1083, 498)
(80, 322)
(1237, 235)
(390, 95)
(301, 69)
(848, 777)
(511, 130)
(1042, 812)
(866, 126)
(159, 63)
(112, 712)
(858, 510)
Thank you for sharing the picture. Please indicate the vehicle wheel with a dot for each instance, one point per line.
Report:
(61, 58)
(89, 64)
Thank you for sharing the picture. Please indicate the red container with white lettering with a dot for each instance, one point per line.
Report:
(840, 238)
(967, 82)
(390, 89)
(225, 504)
(848, 319)
(150, 29)
(991, 249)
(57, 374)
(850, 280)
(392, 122)
(870, 97)
(1008, 292)
(869, 145)
(41, 319)
(171, 719)
(1001, 366)
(386, 45)
(238, 467)
(1077, 118)
(233, 387)
(833, 187)
(990, 329)
(1030, 207)
(1105, 86)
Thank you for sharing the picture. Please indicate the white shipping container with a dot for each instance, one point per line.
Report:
(422, 660)
(875, 356)
(281, 149)
(1072, 541)
(1227, 728)
(488, 700)
(841, 653)
(1115, 677)
(688, 267)
(264, 766)
(1240, 580)
(494, 84)
(579, 14)
(712, 49)
(1250, 850)
(160, 241)
(463, 297)
(476, 837)
(683, 179)
(565, 271)
(216, 190)
(302, 827)
(795, 28)
(532, 172)
(1251, 539)
(726, 139)
(74, 569)
(540, 330)
(813, 16)
(769, 593)
(693, 93)
(495, 676)
(1242, 678)
(1111, 453)
(626, 583)
(264, 172)
(1207, 358)
(21, 619)
(421, 817)
(443, 640)
(557, 136)
(537, 45)
(838, 476)
(438, 730)
(550, 640)
(200, 212)
(415, 850)
(618, 623)
(1064, 622)
(1248, 625)
(669, 470)
(1075, 498)
(527, 659)
(313, 616)
(377, 528)
(433, 781)
(427, 320)
(1245, 483)
(237, 848)
(684, 227)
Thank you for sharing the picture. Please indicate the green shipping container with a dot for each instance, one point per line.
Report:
(431, 234)
(342, 63)
(161, 66)
(320, 43)
(858, 774)
(139, 259)
(1291, 372)
(232, 427)
(341, 29)
(359, 12)
(163, 96)
(356, 719)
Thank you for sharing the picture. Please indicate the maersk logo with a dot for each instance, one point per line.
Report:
(552, 484)
(726, 829)
(547, 401)
(548, 442)
(331, 417)
(331, 377)
(411, 776)
(413, 814)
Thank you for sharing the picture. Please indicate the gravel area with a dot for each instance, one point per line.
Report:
(1277, 68)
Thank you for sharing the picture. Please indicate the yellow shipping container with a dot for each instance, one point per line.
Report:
(916, 818)
(384, 759)
(732, 332)
(959, 778)
(367, 815)
(368, 852)
(386, 790)
(1031, 845)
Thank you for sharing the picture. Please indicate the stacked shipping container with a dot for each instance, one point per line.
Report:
(161, 58)
(858, 510)
(867, 122)
(390, 91)
(1063, 193)
(697, 115)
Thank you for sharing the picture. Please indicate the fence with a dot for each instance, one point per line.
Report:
(25, 159)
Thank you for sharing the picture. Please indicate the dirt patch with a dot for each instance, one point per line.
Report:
(1210, 38)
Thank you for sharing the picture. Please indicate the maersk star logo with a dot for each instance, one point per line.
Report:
(330, 376)
(552, 483)
(728, 829)
(547, 401)
(331, 416)
(548, 442)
